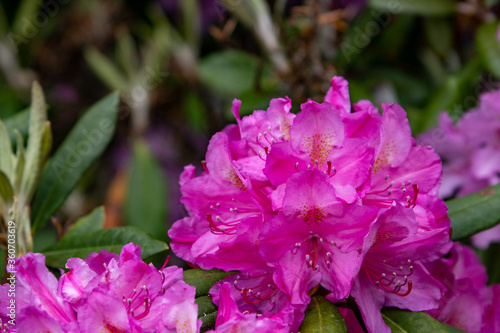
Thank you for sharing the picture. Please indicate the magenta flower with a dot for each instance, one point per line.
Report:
(464, 277)
(297, 202)
(471, 153)
(231, 319)
(392, 273)
(37, 298)
(104, 292)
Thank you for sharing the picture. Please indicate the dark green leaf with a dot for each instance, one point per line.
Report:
(208, 322)
(146, 200)
(39, 142)
(6, 192)
(204, 280)
(322, 316)
(404, 321)
(89, 223)
(83, 145)
(475, 212)
(205, 306)
(105, 69)
(24, 21)
(488, 47)
(229, 73)
(18, 121)
(112, 240)
(6, 154)
(420, 7)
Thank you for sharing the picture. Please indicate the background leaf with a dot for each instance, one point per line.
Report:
(146, 202)
(112, 240)
(488, 47)
(83, 145)
(19, 121)
(204, 280)
(420, 7)
(404, 321)
(89, 223)
(322, 316)
(475, 212)
(229, 73)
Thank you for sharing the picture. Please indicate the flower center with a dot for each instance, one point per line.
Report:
(316, 249)
(133, 303)
(256, 288)
(391, 277)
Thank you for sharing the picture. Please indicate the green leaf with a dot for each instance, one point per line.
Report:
(488, 47)
(39, 141)
(89, 223)
(24, 24)
(205, 306)
(6, 192)
(229, 73)
(83, 145)
(475, 212)
(19, 163)
(204, 280)
(439, 33)
(125, 54)
(420, 7)
(322, 316)
(105, 69)
(19, 121)
(146, 202)
(112, 240)
(208, 322)
(6, 154)
(404, 321)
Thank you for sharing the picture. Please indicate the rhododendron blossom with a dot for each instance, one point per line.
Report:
(104, 292)
(471, 153)
(337, 196)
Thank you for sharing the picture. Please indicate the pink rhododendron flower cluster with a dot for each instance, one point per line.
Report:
(468, 303)
(335, 196)
(103, 293)
(471, 153)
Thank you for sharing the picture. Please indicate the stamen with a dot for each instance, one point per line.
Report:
(204, 165)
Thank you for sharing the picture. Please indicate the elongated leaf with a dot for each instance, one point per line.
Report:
(204, 280)
(229, 73)
(38, 140)
(89, 223)
(420, 7)
(403, 321)
(112, 240)
(19, 121)
(23, 21)
(475, 212)
(488, 47)
(208, 322)
(6, 192)
(6, 155)
(322, 316)
(83, 145)
(105, 69)
(146, 200)
(205, 306)
(125, 54)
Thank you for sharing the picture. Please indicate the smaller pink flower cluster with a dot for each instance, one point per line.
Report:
(335, 196)
(103, 293)
(470, 150)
